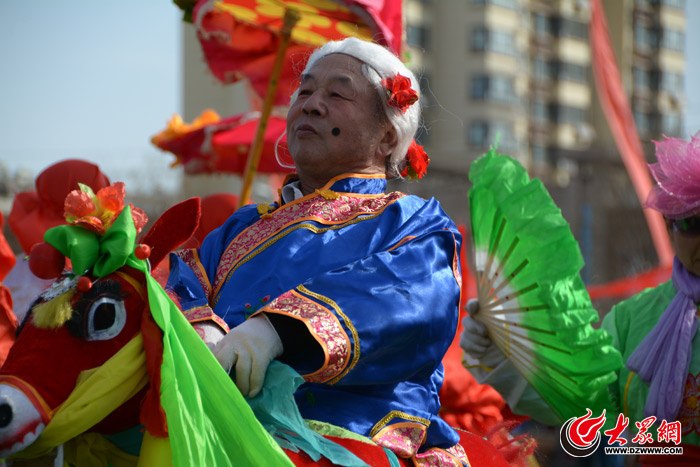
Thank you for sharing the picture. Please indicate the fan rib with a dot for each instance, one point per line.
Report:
(523, 326)
(524, 360)
(511, 296)
(508, 311)
(490, 256)
(509, 335)
(506, 280)
(499, 280)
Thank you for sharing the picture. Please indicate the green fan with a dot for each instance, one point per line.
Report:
(531, 297)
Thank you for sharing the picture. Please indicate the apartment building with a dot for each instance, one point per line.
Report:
(520, 70)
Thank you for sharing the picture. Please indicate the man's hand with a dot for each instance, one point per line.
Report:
(249, 347)
(475, 339)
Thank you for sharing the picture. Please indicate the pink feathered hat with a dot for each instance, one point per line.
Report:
(676, 194)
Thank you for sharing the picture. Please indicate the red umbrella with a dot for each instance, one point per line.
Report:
(240, 38)
(35, 211)
(210, 144)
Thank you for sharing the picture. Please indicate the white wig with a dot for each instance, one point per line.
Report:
(379, 63)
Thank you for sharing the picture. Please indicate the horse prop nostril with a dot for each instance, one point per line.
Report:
(5, 415)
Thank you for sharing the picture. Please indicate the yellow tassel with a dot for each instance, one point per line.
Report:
(328, 194)
(263, 208)
(54, 313)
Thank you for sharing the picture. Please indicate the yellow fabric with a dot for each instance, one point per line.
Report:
(54, 313)
(93, 450)
(98, 392)
(155, 452)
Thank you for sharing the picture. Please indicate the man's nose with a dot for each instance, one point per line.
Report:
(315, 104)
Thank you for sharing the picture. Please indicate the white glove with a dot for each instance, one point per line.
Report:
(250, 347)
(475, 339)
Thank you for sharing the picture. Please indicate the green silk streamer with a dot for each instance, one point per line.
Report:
(209, 421)
(276, 409)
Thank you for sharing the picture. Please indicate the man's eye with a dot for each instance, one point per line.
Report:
(304, 92)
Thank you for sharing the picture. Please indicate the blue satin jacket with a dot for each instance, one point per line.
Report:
(375, 279)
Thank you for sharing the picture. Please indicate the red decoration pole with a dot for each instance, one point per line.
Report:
(616, 107)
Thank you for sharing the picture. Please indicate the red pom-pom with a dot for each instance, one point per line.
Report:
(45, 261)
(142, 251)
(84, 284)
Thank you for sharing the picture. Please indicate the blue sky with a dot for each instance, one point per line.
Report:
(89, 79)
(96, 79)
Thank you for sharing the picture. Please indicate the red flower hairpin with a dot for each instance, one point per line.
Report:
(399, 91)
(416, 162)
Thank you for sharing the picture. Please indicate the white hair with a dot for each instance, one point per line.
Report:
(379, 63)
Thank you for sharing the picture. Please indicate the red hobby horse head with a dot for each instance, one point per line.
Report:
(83, 320)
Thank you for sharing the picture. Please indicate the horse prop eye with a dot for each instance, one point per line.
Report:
(106, 318)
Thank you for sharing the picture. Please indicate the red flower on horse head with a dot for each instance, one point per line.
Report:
(96, 212)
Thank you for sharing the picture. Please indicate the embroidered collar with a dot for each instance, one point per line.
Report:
(362, 184)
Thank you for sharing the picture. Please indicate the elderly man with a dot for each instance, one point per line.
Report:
(355, 288)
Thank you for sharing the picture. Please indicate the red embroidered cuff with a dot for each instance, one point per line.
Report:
(325, 328)
(205, 313)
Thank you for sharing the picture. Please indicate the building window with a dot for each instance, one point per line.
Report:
(680, 4)
(567, 114)
(478, 133)
(539, 155)
(480, 87)
(479, 39)
(672, 39)
(484, 134)
(541, 24)
(645, 38)
(502, 89)
(569, 72)
(539, 110)
(497, 88)
(501, 42)
(541, 69)
(642, 120)
(504, 3)
(671, 124)
(493, 41)
(671, 82)
(567, 28)
(417, 36)
(504, 133)
(642, 78)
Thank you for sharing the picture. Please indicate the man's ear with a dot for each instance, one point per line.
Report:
(388, 142)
